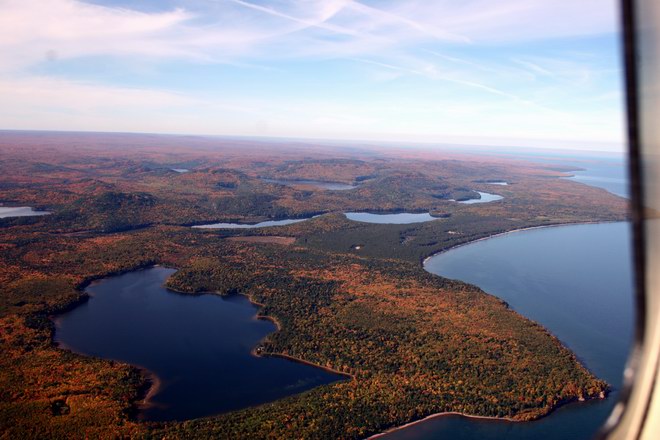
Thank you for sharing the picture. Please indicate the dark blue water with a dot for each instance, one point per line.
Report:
(574, 280)
(198, 346)
(396, 219)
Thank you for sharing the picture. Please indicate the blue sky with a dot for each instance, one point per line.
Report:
(541, 73)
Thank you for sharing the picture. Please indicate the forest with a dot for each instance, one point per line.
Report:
(412, 344)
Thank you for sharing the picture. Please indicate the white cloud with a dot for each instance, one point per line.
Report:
(489, 21)
(391, 41)
(31, 30)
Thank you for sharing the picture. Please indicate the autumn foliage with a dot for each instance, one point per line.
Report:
(412, 343)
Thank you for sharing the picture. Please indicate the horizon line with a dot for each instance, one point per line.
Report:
(421, 144)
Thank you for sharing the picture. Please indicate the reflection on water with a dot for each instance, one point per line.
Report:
(332, 186)
(20, 211)
(251, 226)
(485, 198)
(397, 219)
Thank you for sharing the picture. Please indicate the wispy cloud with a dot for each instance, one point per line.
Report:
(412, 23)
(462, 61)
(389, 66)
(431, 72)
(319, 21)
(514, 20)
(534, 68)
(36, 31)
(233, 29)
(472, 54)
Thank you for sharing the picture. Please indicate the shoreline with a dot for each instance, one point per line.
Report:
(149, 388)
(513, 231)
(278, 327)
(153, 383)
(505, 419)
(487, 418)
(442, 414)
(304, 362)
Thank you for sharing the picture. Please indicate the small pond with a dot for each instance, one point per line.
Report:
(397, 219)
(19, 211)
(332, 186)
(265, 224)
(498, 182)
(485, 198)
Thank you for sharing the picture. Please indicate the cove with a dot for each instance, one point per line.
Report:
(575, 281)
(331, 186)
(199, 347)
(265, 224)
(19, 211)
(396, 219)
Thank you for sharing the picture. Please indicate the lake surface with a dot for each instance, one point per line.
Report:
(19, 211)
(574, 280)
(485, 198)
(396, 219)
(265, 224)
(608, 173)
(332, 186)
(198, 346)
(501, 183)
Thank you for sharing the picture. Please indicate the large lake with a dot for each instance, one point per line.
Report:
(574, 280)
(604, 172)
(198, 346)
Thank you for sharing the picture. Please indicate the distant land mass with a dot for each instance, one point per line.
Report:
(349, 296)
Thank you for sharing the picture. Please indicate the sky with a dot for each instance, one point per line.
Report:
(538, 73)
